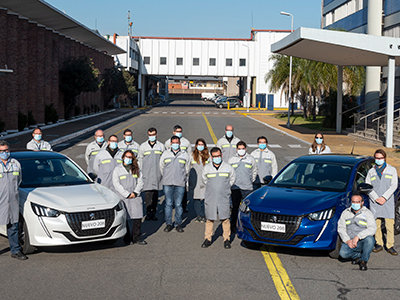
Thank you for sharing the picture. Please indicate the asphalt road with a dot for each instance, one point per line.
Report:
(173, 265)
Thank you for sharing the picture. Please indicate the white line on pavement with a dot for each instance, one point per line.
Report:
(190, 113)
(173, 112)
(181, 112)
(295, 146)
(83, 144)
(274, 146)
(156, 112)
(80, 156)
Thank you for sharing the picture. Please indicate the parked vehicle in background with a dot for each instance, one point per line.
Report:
(216, 98)
(207, 96)
(233, 102)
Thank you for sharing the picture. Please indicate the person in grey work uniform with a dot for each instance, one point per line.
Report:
(356, 228)
(36, 143)
(106, 161)
(174, 167)
(10, 179)
(218, 177)
(266, 161)
(383, 178)
(93, 149)
(228, 143)
(128, 143)
(149, 163)
(128, 184)
(246, 172)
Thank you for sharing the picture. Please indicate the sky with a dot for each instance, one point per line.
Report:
(205, 18)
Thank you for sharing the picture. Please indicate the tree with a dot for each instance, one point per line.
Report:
(115, 83)
(78, 75)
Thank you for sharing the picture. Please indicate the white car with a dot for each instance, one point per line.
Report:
(61, 205)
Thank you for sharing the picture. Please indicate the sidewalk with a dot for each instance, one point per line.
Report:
(338, 143)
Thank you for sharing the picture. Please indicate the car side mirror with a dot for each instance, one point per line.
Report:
(267, 179)
(92, 176)
(364, 188)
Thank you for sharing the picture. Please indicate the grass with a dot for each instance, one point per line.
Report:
(307, 123)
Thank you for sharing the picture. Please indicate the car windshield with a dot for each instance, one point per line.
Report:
(45, 172)
(314, 176)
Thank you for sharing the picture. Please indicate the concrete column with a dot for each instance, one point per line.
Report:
(390, 102)
(248, 87)
(339, 104)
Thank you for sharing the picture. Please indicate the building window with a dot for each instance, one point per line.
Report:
(163, 60)
(146, 60)
(229, 62)
(213, 61)
(242, 62)
(196, 61)
(179, 61)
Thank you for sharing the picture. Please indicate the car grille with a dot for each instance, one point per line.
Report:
(292, 224)
(75, 221)
(292, 242)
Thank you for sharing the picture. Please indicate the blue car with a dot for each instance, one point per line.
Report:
(301, 206)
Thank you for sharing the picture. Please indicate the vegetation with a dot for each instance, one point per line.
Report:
(328, 110)
(25, 120)
(317, 125)
(50, 114)
(115, 83)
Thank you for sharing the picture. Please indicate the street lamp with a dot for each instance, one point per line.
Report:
(248, 75)
(290, 72)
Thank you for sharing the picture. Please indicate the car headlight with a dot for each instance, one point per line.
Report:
(244, 208)
(42, 211)
(322, 215)
(119, 206)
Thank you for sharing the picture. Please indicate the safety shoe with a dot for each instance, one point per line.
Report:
(356, 261)
(392, 251)
(19, 255)
(149, 216)
(227, 244)
(203, 220)
(140, 242)
(179, 229)
(378, 248)
(206, 244)
(198, 219)
(363, 266)
(154, 217)
(168, 228)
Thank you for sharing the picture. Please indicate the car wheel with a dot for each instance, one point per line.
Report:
(23, 235)
(220, 106)
(236, 105)
(252, 245)
(335, 252)
(397, 218)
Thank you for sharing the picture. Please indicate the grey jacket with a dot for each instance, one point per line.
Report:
(266, 164)
(185, 145)
(383, 187)
(245, 171)
(149, 164)
(174, 168)
(104, 165)
(41, 146)
(133, 146)
(10, 179)
(361, 224)
(196, 185)
(228, 149)
(317, 151)
(91, 151)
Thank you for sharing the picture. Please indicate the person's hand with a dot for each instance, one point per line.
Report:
(350, 244)
(355, 241)
(380, 200)
(132, 195)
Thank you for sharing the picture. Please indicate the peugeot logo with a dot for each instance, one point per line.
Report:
(92, 217)
(274, 219)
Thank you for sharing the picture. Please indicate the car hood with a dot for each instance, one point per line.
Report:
(71, 198)
(291, 201)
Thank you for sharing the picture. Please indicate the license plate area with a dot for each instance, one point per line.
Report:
(101, 223)
(274, 227)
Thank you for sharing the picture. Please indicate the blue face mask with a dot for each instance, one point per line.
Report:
(262, 146)
(379, 162)
(127, 161)
(356, 206)
(5, 155)
(200, 148)
(229, 133)
(178, 134)
(217, 160)
(37, 137)
(100, 139)
(113, 145)
(152, 138)
(175, 146)
(128, 138)
(319, 141)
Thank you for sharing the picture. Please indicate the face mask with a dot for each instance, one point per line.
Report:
(127, 161)
(319, 141)
(178, 134)
(356, 206)
(241, 152)
(37, 137)
(217, 160)
(200, 148)
(262, 146)
(100, 139)
(113, 145)
(175, 146)
(152, 138)
(128, 139)
(4, 155)
(229, 133)
(379, 162)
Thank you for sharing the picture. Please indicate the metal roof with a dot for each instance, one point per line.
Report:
(339, 47)
(43, 13)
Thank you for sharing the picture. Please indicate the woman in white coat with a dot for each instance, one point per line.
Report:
(319, 146)
(198, 159)
(128, 183)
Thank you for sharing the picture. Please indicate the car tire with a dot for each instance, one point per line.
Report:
(335, 252)
(220, 106)
(23, 236)
(252, 245)
(397, 218)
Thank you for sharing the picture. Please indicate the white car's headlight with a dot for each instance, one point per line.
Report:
(322, 215)
(42, 211)
(119, 206)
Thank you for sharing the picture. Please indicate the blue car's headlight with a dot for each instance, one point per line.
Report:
(119, 206)
(322, 215)
(244, 208)
(42, 211)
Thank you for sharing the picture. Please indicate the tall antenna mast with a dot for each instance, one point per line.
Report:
(129, 23)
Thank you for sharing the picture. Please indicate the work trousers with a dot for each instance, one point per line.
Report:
(389, 224)
(151, 199)
(226, 229)
(133, 230)
(237, 196)
(362, 251)
(199, 207)
(12, 233)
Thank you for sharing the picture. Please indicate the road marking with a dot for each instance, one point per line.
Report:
(125, 128)
(274, 146)
(83, 144)
(207, 113)
(181, 112)
(198, 113)
(224, 113)
(279, 275)
(190, 113)
(80, 156)
(295, 146)
(214, 138)
(173, 112)
(156, 112)
(215, 113)
(164, 112)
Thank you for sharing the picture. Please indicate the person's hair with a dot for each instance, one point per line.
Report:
(241, 143)
(174, 137)
(204, 155)
(127, 131)
(134, 165)
(227, 126)
(314, 144)
(98, 130)
(215, 149)
(177, 127)
(4, 143)
(33, 131)
(262, 138)
(152, 129)
(113, 135)
(380, 151)
(357, 194)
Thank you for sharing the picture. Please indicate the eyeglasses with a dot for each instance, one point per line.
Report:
(381, 157)
(2, 151)
(215, 156)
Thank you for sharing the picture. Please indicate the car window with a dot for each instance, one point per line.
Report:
(361, 174)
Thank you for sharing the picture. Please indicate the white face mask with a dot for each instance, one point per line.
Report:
(241, 152)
